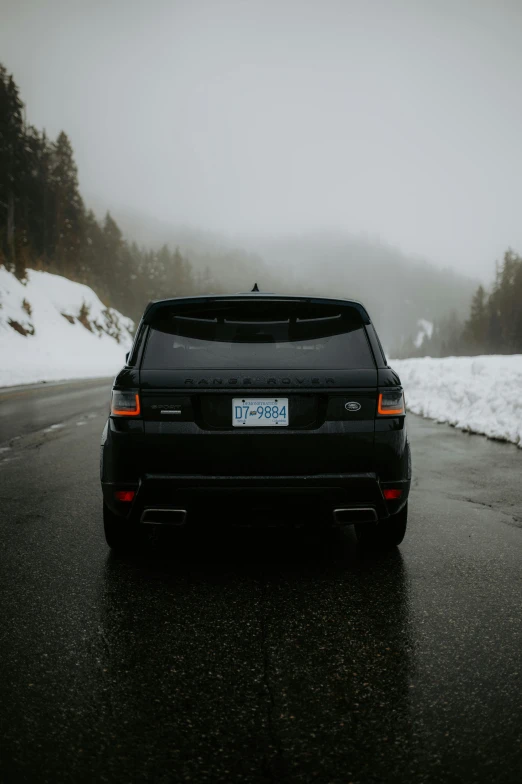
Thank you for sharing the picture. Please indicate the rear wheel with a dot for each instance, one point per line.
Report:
(119, 534)
(385, 535)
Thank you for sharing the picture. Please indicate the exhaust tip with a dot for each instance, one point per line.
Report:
(350, 515)
(164, 516)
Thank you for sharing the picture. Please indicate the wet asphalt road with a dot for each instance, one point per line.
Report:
(255, 656)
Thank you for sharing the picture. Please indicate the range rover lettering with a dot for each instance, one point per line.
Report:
(256, 407)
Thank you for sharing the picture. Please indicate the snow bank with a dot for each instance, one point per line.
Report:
(53, 329)
(479, 394)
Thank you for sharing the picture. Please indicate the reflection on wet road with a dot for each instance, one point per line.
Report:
(260, 656)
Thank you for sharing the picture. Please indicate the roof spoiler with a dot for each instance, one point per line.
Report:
(154, 309)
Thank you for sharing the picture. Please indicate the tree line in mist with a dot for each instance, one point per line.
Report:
(45, 225)
(493, 325)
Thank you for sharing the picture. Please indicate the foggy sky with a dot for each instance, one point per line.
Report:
(401, 119)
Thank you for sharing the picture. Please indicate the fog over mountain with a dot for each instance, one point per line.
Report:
(395, 119)
(397, 289)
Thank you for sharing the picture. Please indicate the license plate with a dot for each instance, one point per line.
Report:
(260, 412)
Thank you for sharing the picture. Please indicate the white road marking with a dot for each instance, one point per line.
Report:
(54, 427)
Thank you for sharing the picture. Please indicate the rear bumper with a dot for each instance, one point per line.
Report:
(340, 499)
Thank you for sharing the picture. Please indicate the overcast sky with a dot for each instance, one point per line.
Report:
(401, 119)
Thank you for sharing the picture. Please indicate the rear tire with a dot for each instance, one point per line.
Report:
(120, 535)
(384, 535)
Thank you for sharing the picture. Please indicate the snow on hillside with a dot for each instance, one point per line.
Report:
(478, 394)
(52, 328)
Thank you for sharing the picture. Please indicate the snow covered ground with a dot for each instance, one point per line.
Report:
(53, 329)
(479, 394)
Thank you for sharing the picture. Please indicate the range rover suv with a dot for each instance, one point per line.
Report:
(256, 408)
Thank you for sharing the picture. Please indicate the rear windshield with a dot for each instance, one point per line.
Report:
(258, 338)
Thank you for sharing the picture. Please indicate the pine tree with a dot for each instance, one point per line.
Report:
(113, 254)
(508, 299)
(517, 320)
(182, 274)
(92, 268)
(68, 207)
(36, 195)
(476, 328)
(12, 160)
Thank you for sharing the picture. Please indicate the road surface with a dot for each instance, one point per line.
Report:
(255, 656)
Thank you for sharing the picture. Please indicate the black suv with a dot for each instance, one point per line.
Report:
(259, 409)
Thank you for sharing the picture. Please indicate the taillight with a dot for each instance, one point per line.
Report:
(124, 495)
(391, 403)
(391, 494)
(125, 403)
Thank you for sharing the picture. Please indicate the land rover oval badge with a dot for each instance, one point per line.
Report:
(352, 406)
